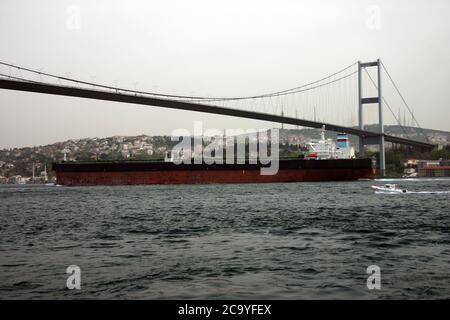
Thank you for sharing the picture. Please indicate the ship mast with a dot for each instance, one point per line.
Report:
(45, 172)
(322, 133)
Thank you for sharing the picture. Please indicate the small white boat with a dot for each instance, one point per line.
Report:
(390, 188)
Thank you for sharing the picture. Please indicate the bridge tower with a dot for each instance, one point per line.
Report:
(379, 140)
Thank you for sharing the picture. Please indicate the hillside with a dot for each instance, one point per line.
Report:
(19, 161)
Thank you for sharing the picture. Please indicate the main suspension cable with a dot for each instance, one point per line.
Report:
(386, 103)
(404, 101)
(199, 98)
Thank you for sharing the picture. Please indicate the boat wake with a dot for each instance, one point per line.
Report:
(412, 179)
(413, 192)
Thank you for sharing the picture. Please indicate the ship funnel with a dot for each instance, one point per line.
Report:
(342, 141)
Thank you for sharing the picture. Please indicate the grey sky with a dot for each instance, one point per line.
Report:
(223, 48)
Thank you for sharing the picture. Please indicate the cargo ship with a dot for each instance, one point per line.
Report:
(136, 172)
(325, 161)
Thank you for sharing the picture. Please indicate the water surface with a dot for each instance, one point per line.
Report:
(249, 241)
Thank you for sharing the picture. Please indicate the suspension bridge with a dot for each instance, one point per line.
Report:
(331, 101)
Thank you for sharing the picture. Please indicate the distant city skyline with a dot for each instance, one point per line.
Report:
(210, 49)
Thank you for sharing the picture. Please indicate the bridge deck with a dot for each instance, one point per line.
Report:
(191, 106)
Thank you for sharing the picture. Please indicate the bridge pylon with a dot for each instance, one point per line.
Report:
(379, 140)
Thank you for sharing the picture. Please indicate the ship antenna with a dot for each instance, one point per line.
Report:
(322, 133)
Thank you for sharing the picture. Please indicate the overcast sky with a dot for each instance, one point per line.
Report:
(205, 47)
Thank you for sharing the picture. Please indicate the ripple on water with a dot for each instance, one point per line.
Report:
(253, 241)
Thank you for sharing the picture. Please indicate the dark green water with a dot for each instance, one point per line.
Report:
(253, 241)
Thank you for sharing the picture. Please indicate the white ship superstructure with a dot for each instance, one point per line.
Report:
(328, 149)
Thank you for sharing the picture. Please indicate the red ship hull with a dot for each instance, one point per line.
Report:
(141, 173)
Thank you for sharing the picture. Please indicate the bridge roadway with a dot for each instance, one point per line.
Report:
(368, 136)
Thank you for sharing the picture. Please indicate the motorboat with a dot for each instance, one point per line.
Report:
(390, 188)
